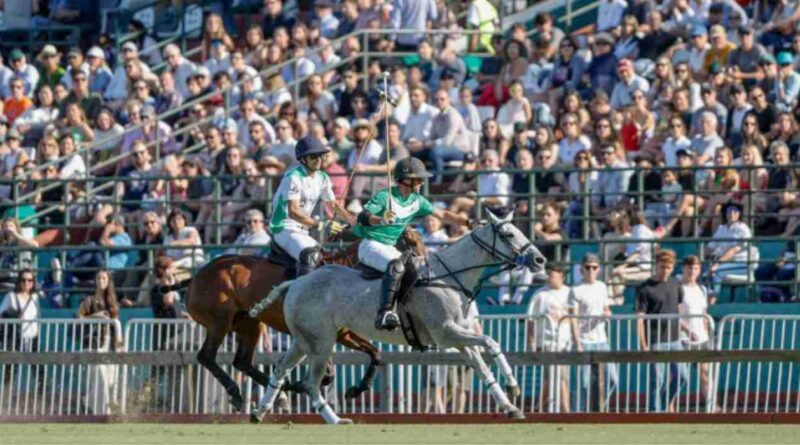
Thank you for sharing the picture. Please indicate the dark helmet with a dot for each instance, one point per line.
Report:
(410, 168)
(309, 146)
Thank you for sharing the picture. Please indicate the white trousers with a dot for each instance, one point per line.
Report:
(294, 242)
(377, 255)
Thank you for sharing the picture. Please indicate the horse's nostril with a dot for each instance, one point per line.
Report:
(539, 260)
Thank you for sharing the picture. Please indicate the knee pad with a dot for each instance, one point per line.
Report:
(311, 256)
(396, 268)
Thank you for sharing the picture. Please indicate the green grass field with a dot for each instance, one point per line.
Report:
(394, 434)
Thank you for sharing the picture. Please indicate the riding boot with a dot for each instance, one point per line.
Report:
(309, 260)
(390, 286)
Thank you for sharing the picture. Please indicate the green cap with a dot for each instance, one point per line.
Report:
(784, 58)
(16, 54)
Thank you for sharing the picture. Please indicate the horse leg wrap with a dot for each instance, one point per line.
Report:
(268, 399)
(326, 412)
(502, 364)
(258, 308)
(499, 396)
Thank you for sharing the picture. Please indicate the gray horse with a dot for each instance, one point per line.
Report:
(318, 305)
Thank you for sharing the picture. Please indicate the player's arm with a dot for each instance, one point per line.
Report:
(296, 213)
(338, 209)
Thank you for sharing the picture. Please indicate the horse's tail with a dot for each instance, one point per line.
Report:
(277, 293)
(175, 287)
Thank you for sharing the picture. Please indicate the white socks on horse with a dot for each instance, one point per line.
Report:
(268, 399)
(325, 410)
(499, 396)
(502, 364)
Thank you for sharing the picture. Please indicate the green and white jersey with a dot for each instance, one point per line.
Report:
(297, 184)
(407, 209)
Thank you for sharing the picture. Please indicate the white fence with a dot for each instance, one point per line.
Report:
(58, 381)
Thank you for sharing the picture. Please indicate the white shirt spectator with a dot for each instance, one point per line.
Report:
(185, 256)
(736, 234)
(590, 300)
(259, 238)
(706, 145)
(27, 311)
(73, 168)
(435, 241)
(552, 305)
(284, 151)
(621, 96)
(182, 73)
(695, 304)
(671, 147)
(567, 149)
(641, 243)
(118, 88)
(216, 65)
(495, 185)
(418, 125)
(372, 155)
(236, 77)
(609, 14)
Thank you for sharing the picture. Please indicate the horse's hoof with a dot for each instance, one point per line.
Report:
(238, 403)
(515, 414)
(353, 392)
(254, 418)
(282, 402)
(513, 391)
(345, 422)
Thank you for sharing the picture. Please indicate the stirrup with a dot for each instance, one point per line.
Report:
(387, 320)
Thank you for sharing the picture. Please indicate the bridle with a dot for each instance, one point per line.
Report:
(522, 257)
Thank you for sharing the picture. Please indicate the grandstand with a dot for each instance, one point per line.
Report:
(612, 129)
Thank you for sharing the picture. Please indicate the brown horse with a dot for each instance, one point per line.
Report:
(223, 291)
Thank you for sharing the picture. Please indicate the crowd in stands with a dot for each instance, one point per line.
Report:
(669, 119)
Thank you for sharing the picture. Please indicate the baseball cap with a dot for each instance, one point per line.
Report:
(342, 123)
(129, 46)
(699, 30)
(96, 52)
(359, 123)
(604, 38)
(685, 152)
(784, 58)
(14, 134)
(717, 30)
(16, 54)
(74, 51)
(608, 149)
(590, 258)
(745, 30)
(766, 59)
(715, 68)
(201, 71)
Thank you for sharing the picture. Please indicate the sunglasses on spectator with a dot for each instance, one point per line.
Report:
(27, 280)
(591, 267)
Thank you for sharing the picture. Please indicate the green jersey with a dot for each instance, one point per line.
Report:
(407, 209)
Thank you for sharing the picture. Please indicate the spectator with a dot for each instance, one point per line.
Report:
(33, 121)
(181, 68)
(11, 153)
(117, 90)
(22, 70)
(115, 236)
(100, 76)
(494, 186)
(582, 181)
(16, 104)
(412, 15)
(765, 111)
(548, 307)
(156, 134)
(468, 110)
(574, 141)
(165, 305)
(75, 62)
(777, 279)
(14, 257)
(252, 235)
(729, 251)
(213, 32)
(602, 70)
(552, 183)
(629, 82)
(751, 135)
(743, 61)
(676, 141)
(514, 68)
(588, 305)
(720, 48)
(787, 83)
(627, 46)
(275, 17)
(661, 295)
(612, 182)
(23, 304)
(609, 15)
(89, 102)
(637, 262)
(448, 139)
(73, 165)
(328, 22)
(492, 139)
(695, 321)
(516, 109)
(482, 16)
(707, 141)
(184, 245)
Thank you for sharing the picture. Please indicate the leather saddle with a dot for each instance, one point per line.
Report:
(282, 258)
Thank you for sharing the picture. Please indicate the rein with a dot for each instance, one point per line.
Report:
(506, 261)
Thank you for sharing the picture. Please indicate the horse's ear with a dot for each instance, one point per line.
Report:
(508, 218)
(493, 218)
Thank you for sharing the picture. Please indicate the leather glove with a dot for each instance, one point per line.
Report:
(334, 227)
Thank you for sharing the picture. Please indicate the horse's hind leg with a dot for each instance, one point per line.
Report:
(248, 333)
(316, 370)
(208, 358)
(358, 343)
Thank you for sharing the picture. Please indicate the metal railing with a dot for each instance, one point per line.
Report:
(156, 371)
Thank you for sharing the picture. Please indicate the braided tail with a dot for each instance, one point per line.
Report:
(276, 294)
